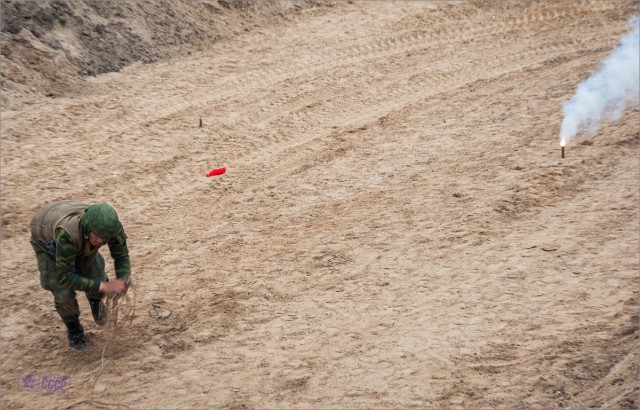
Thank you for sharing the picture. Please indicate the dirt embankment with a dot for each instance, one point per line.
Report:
(48, 46)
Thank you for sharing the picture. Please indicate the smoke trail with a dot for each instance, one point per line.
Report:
(615, 85)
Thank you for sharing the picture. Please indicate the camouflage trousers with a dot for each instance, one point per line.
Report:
(64, 298)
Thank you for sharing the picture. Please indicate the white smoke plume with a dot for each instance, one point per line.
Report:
(606, 93)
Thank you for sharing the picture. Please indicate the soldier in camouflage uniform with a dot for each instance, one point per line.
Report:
(66, 237)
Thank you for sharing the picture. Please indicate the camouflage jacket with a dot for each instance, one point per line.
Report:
(57, 230)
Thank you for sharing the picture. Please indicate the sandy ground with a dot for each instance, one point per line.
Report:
(395, 228)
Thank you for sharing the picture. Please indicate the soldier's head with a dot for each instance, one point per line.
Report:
(102, 223)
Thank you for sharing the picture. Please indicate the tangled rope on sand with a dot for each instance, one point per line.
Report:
(120, 313)
(116, 305)
(123, 306)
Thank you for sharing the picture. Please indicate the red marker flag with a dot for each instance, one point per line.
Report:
(215, 172)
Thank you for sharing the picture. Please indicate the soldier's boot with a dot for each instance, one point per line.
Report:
(98, 310)
(75, 333)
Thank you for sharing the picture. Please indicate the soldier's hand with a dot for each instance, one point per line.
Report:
(117, 286)
(127, 283)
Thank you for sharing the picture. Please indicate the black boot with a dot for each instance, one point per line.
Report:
(98, 309)
(75, 332)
